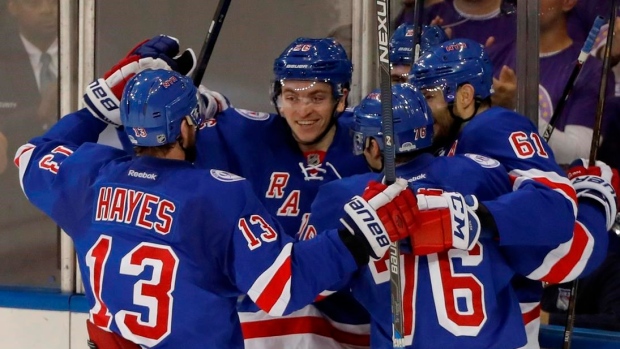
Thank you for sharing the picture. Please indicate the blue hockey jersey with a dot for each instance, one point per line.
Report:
(165, 249)
(540, 188)
(259, 146)
(457, 298)
(547, 199)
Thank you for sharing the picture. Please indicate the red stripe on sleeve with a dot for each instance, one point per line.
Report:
(273, 291)
(564, 266)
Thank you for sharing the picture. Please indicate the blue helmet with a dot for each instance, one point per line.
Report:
(314, 59)
(413, 120)
(432, 35)
(155, 102)
(401, 45)
(451, 64)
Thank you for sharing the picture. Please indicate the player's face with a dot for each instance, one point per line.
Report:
(441, 115)
(308, 107)
(400, 73)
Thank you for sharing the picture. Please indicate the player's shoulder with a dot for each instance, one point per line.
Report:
(498, 121)
(345, 187)
(252, 116)
(221, 178)
(238, 119)
(460, 165)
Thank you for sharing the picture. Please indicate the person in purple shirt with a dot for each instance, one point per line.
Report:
(407, 11)
(558, 52)
(491, 23)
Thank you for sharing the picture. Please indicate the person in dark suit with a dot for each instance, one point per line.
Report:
(28, 106)
(29, 65)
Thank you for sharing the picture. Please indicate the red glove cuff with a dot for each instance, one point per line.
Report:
(434, 232)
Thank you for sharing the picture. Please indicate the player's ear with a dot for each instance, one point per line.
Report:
(186, 133)
(373, 155)
(466, 95)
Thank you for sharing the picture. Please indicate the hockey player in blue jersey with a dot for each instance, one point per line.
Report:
(164, 248)
(456, 79)
(401, 48)
(456, 284)
(456, 281)
(287, 156)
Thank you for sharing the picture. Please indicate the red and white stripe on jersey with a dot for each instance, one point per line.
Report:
(272, 289)
(551, 179)
(22, 158)
(531, 319)
(324, 295)
(567, 261)
(306, 328)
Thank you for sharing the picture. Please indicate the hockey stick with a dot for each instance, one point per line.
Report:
(417, 29)
(389, 165)
(568, 88)
(596, 134)
(209, 43)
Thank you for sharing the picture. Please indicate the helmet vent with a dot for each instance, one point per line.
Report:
(325, 66)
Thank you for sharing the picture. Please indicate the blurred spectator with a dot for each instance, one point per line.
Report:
(572, 136)
(581, 17)
(609, 152)
(29, 69)
(598, 295)
(492, 23)
(406, 13)
(28, 105)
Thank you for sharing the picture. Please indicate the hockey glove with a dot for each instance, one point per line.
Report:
(445, 221)
(215, 102)
(377, 218)
(103, 95)
(598, 182)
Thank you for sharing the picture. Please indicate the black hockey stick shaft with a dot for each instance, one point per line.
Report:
(583, 56)
(572, 301)
(389, 166)
(596, 134)
(417, 28)
(211, 38)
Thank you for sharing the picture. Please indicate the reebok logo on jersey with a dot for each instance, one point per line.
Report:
(145, 175)
(417, 178)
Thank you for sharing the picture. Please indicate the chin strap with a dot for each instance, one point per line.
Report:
(459, 120)
(190, 152)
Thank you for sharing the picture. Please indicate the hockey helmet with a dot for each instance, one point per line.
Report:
(313, 59)
(451, 64)
(412, 118)
(401, 45)
(432, 35)
(155, 102)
